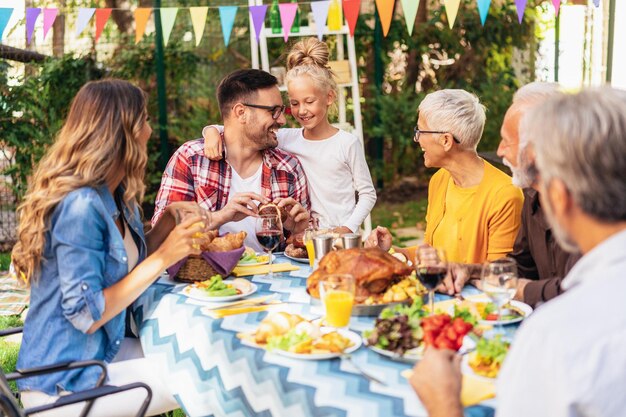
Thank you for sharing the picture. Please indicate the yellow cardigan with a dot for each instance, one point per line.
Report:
(488, 230)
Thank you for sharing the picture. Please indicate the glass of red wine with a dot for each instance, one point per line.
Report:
(269, 231)
(431, 267)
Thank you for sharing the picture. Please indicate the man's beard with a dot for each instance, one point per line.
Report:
(561, 236)
(264, 139)
(520, 178)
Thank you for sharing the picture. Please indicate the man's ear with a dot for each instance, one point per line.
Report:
(239, 112)
(560, 198)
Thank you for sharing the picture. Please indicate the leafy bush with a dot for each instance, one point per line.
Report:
(32, 112)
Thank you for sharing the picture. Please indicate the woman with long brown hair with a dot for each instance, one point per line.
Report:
(82, 249)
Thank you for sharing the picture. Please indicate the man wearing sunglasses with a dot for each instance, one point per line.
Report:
(252, 171)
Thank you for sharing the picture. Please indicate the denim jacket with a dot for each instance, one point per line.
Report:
(83, 254)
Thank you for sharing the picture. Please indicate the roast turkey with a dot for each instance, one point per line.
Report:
(374, 270)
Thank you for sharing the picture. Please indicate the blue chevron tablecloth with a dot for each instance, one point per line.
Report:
(213, 373)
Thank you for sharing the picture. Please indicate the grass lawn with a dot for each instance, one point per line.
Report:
(409, 215)
(9, 350)
(5, 260)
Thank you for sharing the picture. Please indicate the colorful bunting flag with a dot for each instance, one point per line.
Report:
(5, 16)
(287, 15)
(142, 14)
(227, 17)
(351, 12)
(257, 14)
(557, 6)
(83, 18)
(31, 17)
(168, 17)
(521, 8)
(483, 10)
(198, 20)
(452, 8)
(102, 16)
(320, 14)
(409, 7)
(385, 12)
(49, 16)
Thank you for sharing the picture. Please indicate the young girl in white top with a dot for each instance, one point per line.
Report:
(333, 159)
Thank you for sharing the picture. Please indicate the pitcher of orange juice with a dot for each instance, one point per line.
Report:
(337, 293)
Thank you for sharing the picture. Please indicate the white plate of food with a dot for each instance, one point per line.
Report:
(486, 312)
(218, 290)
(293, 336)
(299, 260)
(486, 361)
(251, 258)
(330, 333)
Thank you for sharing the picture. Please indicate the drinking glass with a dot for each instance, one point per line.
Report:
(337, 293)
(499, 282)
(309, 234)
(431, 267)
(181, 214)
(269, 232)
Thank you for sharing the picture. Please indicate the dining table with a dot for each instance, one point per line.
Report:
(211, 372)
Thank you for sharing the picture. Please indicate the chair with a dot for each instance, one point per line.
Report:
(10, 407)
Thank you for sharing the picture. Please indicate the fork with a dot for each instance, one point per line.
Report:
(347, 357)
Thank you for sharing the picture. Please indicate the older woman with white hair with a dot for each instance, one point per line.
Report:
(473, 208)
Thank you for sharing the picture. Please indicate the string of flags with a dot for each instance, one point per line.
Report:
(227, 14)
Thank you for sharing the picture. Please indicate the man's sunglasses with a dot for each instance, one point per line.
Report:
(275, 110)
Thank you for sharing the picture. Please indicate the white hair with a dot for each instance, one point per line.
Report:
(530, 95)
(457, 112)
(586, 148)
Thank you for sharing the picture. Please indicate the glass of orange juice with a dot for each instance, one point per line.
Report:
(309, 234)
(337, 293)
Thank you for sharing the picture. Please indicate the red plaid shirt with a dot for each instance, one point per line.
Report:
(190, 175)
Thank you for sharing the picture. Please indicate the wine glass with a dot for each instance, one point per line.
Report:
(499, 282)
(269, 232)
(431, 267)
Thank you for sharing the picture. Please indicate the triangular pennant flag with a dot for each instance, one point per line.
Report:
(168, 17)
(320, 14)
(385, 12)
(49, 16)
(409, 7)
(227, 17)
(452, 8)
(102, 16)
(84, 15)
(596, 3)
(31, 17)
(351, 12)
(5, 16)
(521, 7)
(287, 15)
(483, 10)
(257, 13)
(142, 14)
(198, 20)
(557, 6)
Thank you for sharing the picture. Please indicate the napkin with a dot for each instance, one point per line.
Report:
(222, 262)
(242, 271)
(475, 390)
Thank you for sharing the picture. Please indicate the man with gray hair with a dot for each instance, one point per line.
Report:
(568, 358)
(541, 261)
